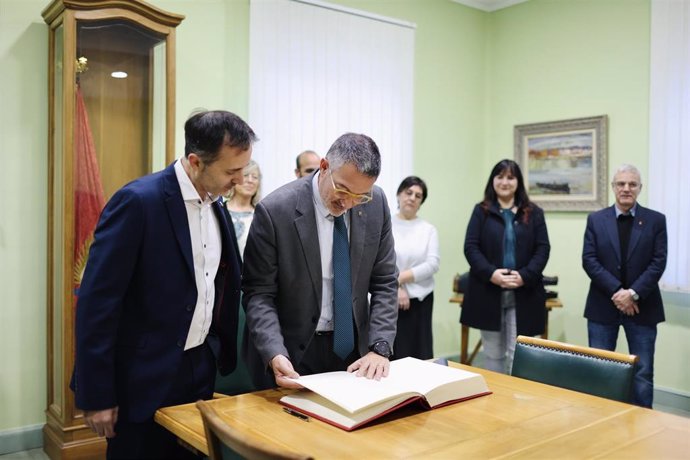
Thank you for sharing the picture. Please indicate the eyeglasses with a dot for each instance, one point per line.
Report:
(344, 194)
(631, 185)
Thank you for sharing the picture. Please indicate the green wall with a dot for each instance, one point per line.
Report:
(554, 60)
(477, 74)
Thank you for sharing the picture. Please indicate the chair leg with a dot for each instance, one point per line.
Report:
(475, 351)
(464, 338)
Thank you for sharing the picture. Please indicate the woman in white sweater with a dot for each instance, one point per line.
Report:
(417, 259)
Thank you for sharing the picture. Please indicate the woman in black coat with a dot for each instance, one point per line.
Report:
(507, 247)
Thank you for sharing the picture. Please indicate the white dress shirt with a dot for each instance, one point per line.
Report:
(324, 227)
(206, 248)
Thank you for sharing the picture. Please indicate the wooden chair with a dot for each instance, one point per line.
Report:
(219, 434)
(588, 370)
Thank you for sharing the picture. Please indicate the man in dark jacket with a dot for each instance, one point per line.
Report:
(160, 294)
(624, 255)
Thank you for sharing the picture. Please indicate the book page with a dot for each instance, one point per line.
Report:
(408, 377)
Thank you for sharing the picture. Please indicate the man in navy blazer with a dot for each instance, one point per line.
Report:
(624, 255)
(158, 304)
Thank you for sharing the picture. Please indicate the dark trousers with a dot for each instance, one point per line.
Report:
(148, 440)
(414, 337)
(641, 342)
(319, 357)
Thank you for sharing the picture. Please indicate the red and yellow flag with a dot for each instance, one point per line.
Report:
(89, 199)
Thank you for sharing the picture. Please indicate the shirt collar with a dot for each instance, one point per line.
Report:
(632, 211)
(319, 205)
(189, 192)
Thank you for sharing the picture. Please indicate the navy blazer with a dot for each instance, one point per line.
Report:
(646, 261)
(138, 296)
(481, 306)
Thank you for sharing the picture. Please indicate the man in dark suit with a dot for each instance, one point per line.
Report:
(291, 273)
(158, 304)
(624, 255)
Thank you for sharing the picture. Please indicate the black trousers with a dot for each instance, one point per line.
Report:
(148, 440)
(319, 356)
(414, 337)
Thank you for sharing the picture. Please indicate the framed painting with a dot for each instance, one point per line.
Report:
(564, 163)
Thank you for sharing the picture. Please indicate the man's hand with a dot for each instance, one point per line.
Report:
(403, 299)
(102, 422)
(283, 372)
(371, 366)
(624, 302)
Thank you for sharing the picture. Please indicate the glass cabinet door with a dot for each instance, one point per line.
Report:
(111, 120)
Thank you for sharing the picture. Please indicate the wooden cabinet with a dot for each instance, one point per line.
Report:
(111, 119)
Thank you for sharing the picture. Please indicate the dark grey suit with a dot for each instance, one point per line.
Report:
(282, 280)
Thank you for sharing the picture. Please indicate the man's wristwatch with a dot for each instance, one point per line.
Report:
(382, 348)
(634, 295)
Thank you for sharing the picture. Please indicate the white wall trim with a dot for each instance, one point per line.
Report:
(489, 5)
(364, 14)
(23, 438)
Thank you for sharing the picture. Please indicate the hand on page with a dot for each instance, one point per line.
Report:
(283, 372)
(371, 366)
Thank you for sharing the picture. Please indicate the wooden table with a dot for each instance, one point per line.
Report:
(521, 419)
(465, 330)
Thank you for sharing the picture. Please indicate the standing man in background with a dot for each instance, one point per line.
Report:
(624, 255)
(158, 304)
(316, 249)
(307, 162)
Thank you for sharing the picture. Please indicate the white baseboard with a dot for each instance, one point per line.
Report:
(672, 398)
(23, 438)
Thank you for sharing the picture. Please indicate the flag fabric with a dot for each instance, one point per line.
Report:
(89, 198)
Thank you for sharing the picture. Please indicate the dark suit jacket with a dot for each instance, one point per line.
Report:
(481, 307)
(646, 261)
(281, 280)
(138, 295)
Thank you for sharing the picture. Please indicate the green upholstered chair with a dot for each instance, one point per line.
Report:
(588, 370)
(225, 442)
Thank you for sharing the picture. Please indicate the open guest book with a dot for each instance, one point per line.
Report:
(348, 402)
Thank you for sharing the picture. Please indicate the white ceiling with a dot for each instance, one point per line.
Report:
(489, 5)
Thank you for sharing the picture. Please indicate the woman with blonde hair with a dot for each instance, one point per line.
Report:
(242, 200)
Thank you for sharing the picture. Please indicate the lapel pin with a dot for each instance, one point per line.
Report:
(359, 213)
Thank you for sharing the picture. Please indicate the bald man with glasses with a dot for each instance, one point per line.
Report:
(319, 279)
(624, 255)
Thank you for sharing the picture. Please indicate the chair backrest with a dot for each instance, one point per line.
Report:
(219, 434)
(588, 370)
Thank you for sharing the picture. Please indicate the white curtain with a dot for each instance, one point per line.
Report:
(669, 153)
(319, 70)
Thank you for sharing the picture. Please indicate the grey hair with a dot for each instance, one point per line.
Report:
(358, 150)
(627, 168)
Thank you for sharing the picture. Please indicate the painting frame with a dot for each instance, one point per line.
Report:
(564, 163)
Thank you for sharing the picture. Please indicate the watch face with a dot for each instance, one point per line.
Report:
(383, 349)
